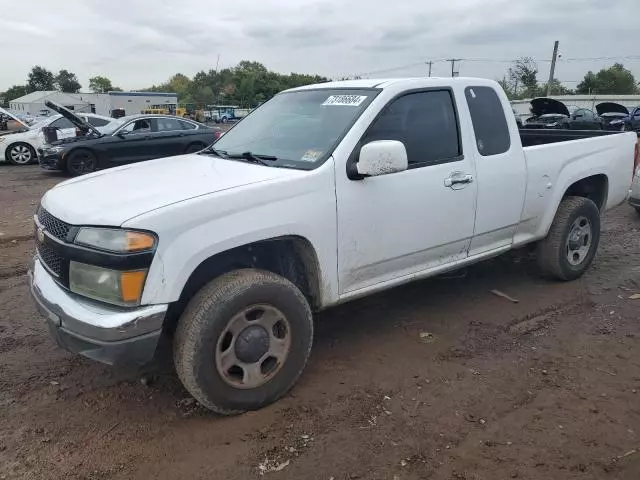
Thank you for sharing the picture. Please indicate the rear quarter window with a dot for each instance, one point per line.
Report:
(489, 122)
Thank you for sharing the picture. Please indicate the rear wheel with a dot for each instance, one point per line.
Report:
(20, 154)
(81, 162)
(195, 147)
(571, 244)
(243, 341)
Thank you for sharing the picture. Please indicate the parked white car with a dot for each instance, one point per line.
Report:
(324, 194)
(20, 148)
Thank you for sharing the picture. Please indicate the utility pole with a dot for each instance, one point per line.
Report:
(453, 66)
(553, 67)
(430, 63)
(217, 63)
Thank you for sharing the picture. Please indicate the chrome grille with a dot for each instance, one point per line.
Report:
(55, 227)
(50, 258)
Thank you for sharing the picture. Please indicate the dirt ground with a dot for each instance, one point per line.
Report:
(437, 380)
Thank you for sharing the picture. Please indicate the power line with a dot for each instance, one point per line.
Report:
(499, 60)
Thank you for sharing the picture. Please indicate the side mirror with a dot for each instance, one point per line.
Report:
(122, 133)
(382, 157)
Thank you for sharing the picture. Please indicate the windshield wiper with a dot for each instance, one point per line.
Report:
(217, 153)
(253, 157)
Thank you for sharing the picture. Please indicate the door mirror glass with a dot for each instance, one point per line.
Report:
(123, 133)
(382, 157)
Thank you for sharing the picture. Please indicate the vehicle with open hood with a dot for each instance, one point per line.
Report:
(553, 114)
(20, 147)
(613, 115)
(125, 140)
(324, 194)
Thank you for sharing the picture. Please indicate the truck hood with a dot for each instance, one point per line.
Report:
(611, 107)
(111, 197)
(86, 127)
(544, 106)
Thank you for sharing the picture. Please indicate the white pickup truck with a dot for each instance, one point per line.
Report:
(324, 194)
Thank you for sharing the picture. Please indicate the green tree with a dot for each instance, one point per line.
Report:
(14, 92)
(556, 89)
(67, 82)
(523, 77)
(247, 84)
(100, 84)
(615, 80)
(40, 79)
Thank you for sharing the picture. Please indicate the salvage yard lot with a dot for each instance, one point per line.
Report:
(440, 380)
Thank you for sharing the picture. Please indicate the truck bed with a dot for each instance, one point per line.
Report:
(531, 137)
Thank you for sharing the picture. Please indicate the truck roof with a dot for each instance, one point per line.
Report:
(383, 82)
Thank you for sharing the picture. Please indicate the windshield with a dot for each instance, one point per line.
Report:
(300, 128)
(43, 123)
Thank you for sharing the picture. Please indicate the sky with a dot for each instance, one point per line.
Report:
(138, 43)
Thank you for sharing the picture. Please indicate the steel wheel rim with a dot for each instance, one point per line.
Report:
(82, 164)
(20, 154)
(579, 241)
(253, 347)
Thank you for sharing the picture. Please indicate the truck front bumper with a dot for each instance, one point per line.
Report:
(106, 334)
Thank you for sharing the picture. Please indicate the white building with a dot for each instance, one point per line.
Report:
(100, 103)
(33, 103)
(581, 101)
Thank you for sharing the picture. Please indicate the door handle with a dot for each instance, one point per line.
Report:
(458, 178)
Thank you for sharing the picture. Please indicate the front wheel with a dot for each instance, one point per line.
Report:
(243, 341)
(571, 244)
(81, 162)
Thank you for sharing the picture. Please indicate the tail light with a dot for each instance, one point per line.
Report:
(636, 161)
(217, 134)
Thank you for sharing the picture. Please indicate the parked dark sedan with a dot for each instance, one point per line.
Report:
(129, 139)
(613, 115)
(550, 113)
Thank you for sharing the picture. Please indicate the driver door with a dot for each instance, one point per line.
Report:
(131, 142)
(397, 225)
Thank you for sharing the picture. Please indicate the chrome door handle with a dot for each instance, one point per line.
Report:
(458, 178)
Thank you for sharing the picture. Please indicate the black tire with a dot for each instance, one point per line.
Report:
(195, 147)
(20, 154)
(200, 334)
(552, 251)
(81, 162)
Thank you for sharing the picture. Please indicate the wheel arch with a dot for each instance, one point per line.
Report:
(594, 187)
(20, 142)
(292, 256)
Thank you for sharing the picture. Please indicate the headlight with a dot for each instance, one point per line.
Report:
(54, 149)
(115, 240)
(111, 286)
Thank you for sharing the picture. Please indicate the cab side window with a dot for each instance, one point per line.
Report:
(489, 121)
(425, 122)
